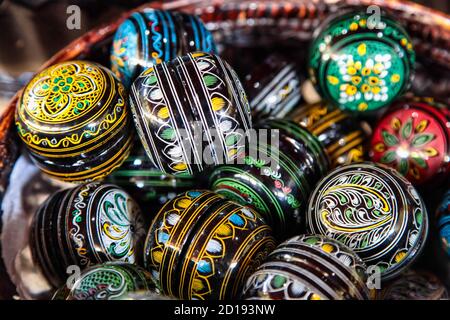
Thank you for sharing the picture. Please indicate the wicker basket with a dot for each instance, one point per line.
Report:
(261, 24)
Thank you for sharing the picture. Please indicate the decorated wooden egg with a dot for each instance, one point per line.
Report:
(202, 246)
(309, 267)
(108, 281)
(190, 113)
(150, 187)
(74, 121)
(374, 211)
(343, 136)
(275, 177)
(415, 285)
(414, 138)
(443, 222)
(83, 226)
(273, 88)
(360, 63)
(151, 36)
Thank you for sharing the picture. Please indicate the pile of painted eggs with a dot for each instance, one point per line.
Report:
(181, 194)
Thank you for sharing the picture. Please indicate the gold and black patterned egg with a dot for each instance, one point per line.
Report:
(83, 226)
(107, 281)
(190, 113)
(152, 36)
(202, 246)
(344, 137)
(309, 267)
(361, 62)
(74, 120)
(374, 211)
(275, 176)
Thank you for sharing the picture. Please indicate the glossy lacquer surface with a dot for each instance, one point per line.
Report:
(190, 113)
(202, 246)
(84, 226)
(309, 267)
(359, 63)
(413, 137)
(108, 281)
(74, 120)
(276, 180)
(151, 36)
(149, 186)
(374, 211)
(343, 137)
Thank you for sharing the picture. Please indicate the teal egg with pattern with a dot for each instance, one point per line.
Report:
(275, 177)
(361, 63)
(443, 216)
(152, 36)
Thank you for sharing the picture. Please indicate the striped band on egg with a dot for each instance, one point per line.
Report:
(202, 246)
(277, 98)
(188, 109)
(309, 267)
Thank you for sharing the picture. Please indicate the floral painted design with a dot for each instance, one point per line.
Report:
(65, 91)
(277, 180)
(407, 146)
(360, 66)
(362, 76)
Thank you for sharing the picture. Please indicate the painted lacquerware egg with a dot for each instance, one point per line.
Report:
(360, 63)
(74, 120)
(151, 36)
(374, 211)
(343, 136)
(83, 226)
(309, 267)
(273, 87)
(202, 246)
(414, 138)
(108, 281)
(275, 177)
(190, 113)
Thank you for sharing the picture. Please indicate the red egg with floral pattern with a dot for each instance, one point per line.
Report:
(414, 138)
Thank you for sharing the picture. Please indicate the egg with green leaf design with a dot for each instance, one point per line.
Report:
(374, 211)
